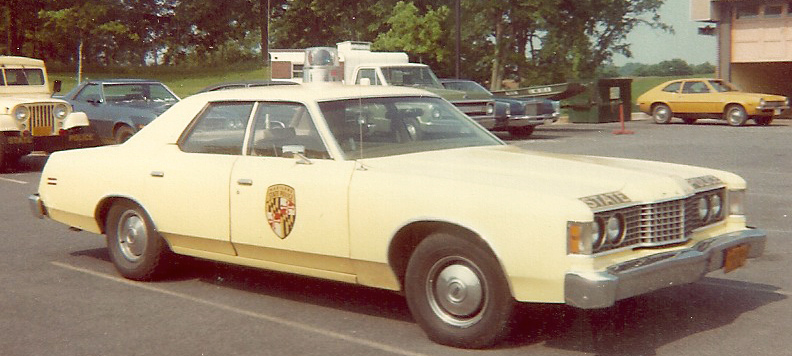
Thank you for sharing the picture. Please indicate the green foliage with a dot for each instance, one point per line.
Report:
(674, 67)
(421, 36)
(529, 41)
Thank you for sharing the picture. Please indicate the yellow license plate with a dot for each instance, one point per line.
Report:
(19, 140)
(735, 257)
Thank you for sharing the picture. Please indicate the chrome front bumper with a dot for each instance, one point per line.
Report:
(518, 121)
(601, 289)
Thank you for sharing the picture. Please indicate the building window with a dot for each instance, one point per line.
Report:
(773, 11)
(747, 11)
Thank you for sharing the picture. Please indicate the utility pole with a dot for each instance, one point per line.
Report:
(458, 15)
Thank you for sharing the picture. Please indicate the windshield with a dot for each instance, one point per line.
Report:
(138, 91)
(721, 86)
(411, 76)
(467, 86)
(14, 76)
(378, 127)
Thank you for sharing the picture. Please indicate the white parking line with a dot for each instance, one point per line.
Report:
(13, 180)
(269, 318)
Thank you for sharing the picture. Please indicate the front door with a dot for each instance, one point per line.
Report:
(289, 199)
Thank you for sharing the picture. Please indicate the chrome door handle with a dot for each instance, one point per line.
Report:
(245, 181)
(158, 174)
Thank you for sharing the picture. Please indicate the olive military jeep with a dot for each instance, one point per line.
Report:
(30, 119)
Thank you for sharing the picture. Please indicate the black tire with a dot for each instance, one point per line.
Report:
(735, 115)
(662, 114)
(521, 131)
(123, 133)
(457, 292)
(136, 248)
(763, 120)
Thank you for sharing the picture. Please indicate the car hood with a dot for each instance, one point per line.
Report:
(570, 176)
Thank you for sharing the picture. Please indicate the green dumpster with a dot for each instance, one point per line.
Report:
(601, 101)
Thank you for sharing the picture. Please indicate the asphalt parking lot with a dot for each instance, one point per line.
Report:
(61, 295)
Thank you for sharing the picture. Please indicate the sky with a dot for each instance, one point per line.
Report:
(651, 46)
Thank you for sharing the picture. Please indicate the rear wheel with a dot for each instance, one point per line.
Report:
(735, 115)
(136, 249)
(457, 292)
(662, 114)
(123, 133)
(521, 131)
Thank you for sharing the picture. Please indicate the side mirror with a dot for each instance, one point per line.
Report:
(296, 151)
(56, 86)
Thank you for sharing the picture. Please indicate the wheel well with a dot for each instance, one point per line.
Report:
(407, 239)
(120, 125)
(727, 106)
(100, 214)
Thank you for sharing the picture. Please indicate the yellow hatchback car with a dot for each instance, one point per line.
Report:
(706, 98)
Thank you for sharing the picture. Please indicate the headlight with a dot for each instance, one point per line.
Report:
(490, 109)
(614, 229)
(703, 209)
(716, 206)
(761, 102)
(598, 233)
(736, 202)
(61, 111)
(21, 113)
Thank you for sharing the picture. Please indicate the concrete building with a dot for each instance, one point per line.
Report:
(754, 41)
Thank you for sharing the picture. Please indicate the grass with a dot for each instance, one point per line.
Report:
(183, 82)
(187, 81)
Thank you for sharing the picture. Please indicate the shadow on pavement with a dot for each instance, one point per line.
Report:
(635, 326)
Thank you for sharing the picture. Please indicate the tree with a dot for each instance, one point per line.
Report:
(419, 35)
(92, 20)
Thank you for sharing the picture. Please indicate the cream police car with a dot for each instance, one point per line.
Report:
(331, 181)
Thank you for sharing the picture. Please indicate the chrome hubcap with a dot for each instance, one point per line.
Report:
(661, 114)
(456, 292)
(736, 117)
(132, 236)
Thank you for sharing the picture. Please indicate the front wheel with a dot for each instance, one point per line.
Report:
(735, 115)
(457, 292)
(662, 114)
(763, 121)
(136, 249)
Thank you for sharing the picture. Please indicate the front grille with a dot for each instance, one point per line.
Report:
(42, 119)
(474, 108)
(661, 223)
(774, 104)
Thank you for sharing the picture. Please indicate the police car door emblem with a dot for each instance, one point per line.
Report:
(281, 209)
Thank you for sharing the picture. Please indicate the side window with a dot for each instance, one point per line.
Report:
(90, 93)
(281, 128)
(219, 129)
(673, 87)
(367, 73)
(695, 88)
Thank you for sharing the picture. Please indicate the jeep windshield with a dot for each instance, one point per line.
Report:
(23, 76)
(411, 76)
(378, 127)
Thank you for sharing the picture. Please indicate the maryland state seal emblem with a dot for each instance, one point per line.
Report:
(281, 209)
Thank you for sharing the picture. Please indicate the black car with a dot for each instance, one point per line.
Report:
(118, 108)
(524, 113)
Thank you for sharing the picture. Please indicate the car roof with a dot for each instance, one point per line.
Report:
(122, 81)
(246, 83)
(313, 92)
